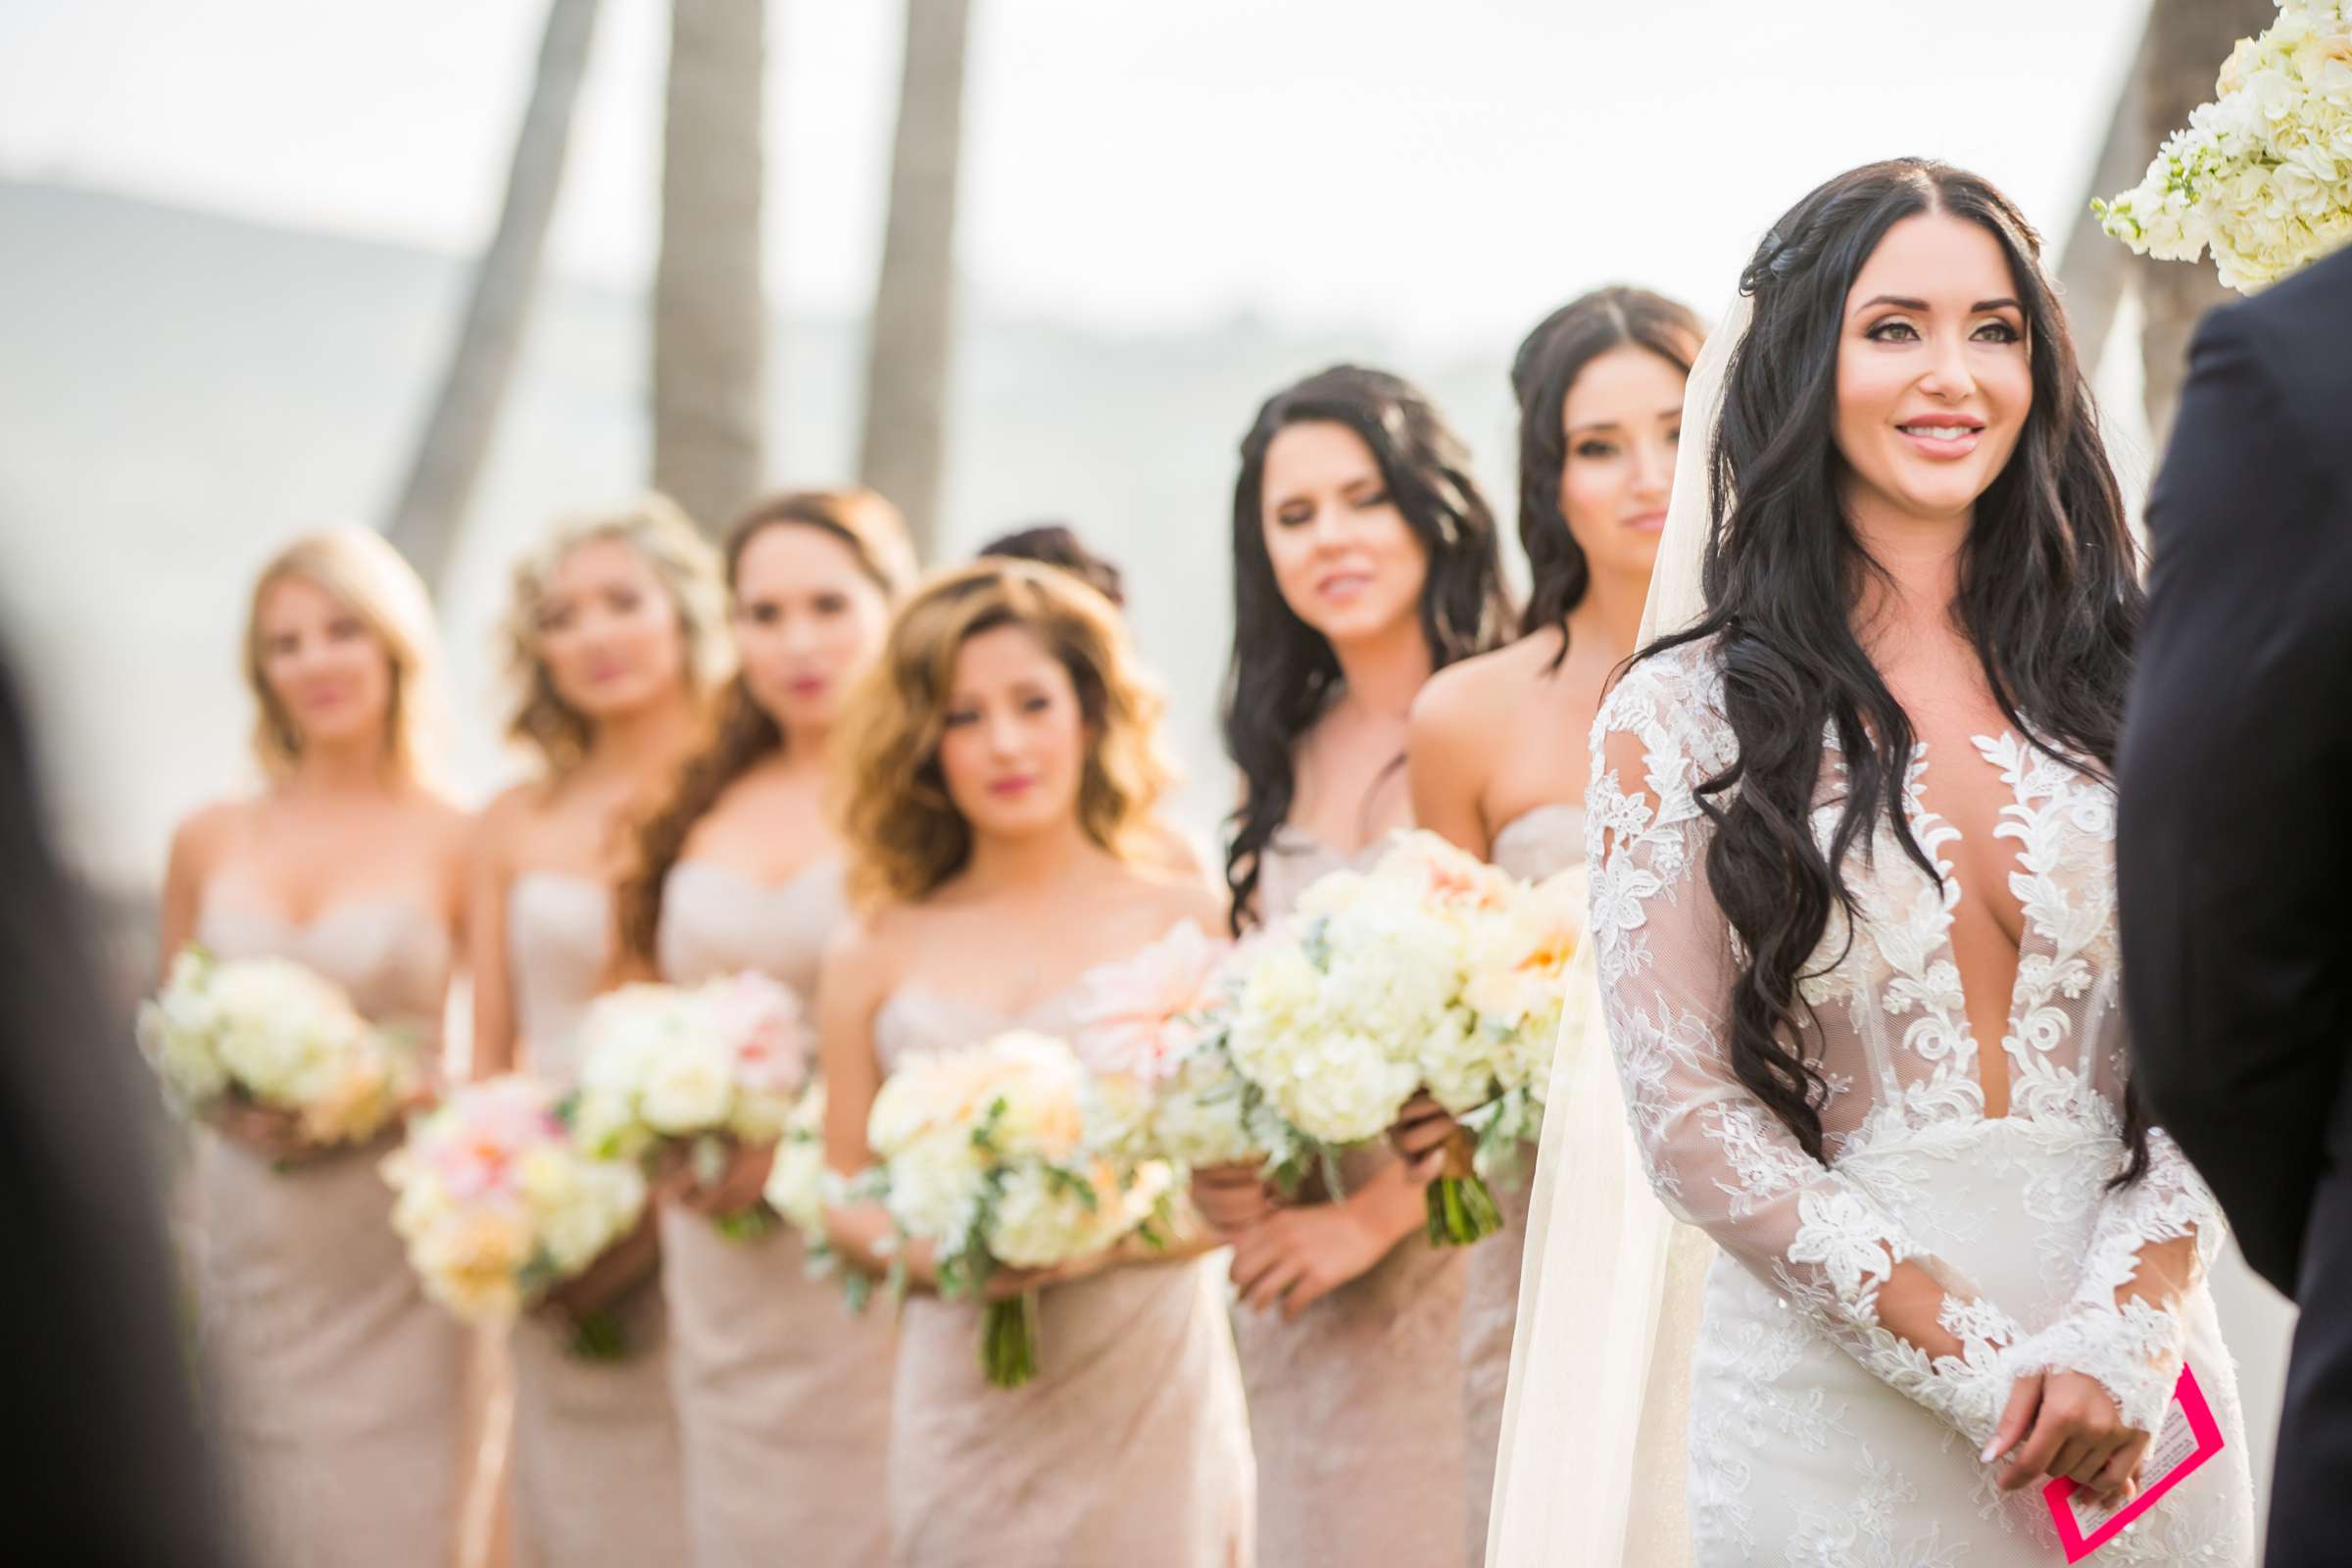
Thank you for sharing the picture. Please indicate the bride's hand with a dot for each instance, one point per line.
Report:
(1422, 1126)
(2069, 1426)
(1231, 1198)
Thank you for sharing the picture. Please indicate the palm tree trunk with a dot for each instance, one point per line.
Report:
(710, 318)
(2096, 269)
(455, 444)
(912, 335)
(2188, 39)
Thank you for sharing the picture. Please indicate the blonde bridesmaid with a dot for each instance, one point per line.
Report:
(999, 771)
(783, 1399)
(1364, 558)
(1496, 753)
(617, 632)
(339, 1395)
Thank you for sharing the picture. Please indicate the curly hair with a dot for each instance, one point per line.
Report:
(745, 734)
(2049, 596)
(904, 835)
(660, 531)
(357, 567)
(1283, 674)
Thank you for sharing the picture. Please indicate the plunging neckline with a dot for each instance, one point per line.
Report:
(2015, 761)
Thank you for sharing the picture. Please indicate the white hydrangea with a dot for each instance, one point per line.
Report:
(983, 1149)
(281, 1035)
(665, 1062)
(2262, 175)
(799, 1183)
(1432, 970)
(497, 1200)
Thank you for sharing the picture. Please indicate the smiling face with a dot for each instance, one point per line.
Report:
(1344, 559)
(1014, 741)
(808, 618)
(322, 665)
(1621, 421)
(1935, 375)
(609, 632)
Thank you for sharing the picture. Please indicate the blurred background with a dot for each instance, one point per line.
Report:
(454, 267)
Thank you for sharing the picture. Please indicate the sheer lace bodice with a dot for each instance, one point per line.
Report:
(1892, 1036)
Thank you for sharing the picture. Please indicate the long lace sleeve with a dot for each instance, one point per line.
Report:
(1716, 1156)
(2152, 1239)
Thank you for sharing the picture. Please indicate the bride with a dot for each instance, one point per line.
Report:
(1852, 830)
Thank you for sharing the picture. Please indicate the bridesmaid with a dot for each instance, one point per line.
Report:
(340, 1382)
(618, 635)
(1496, 745)
(783, 1400)
(1002, 763)
(1364, 558)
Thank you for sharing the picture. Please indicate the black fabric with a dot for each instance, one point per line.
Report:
(2233, 857)
(102, 1461)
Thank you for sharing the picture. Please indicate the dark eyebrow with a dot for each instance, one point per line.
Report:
(1575, 430)
(1982, 307)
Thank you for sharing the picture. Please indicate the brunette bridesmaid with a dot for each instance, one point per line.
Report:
(1497, 744)
(1364, 558)
(341, 1383)
(617, 632)
(783, 1398)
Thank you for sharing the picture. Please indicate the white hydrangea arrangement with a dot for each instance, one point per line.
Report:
(1432, 970)
(2262, 175)
(983, 1154)
(1150, 1031)
(272, 1033)
(499, 1203)
(724, 1062)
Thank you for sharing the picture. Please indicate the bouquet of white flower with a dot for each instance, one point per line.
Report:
(726, 1061)
(2262, 175)
(1150, 1032)
(983, 1154)
(499, 1203)
(1432, 970)
(274, 1034)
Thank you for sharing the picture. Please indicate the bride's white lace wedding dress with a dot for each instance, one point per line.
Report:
(1818, 1435)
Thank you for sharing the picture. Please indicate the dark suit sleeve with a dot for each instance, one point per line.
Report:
(107, 1463)
(2231, 853)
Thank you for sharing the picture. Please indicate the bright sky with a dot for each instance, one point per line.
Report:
(1443, 172)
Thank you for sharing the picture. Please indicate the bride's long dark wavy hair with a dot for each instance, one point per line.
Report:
(1284, 674)
(2049, 595)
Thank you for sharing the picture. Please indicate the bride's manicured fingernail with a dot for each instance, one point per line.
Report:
(1992, 1451)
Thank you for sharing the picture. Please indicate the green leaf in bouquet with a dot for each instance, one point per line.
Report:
(1009, 1342)
(709, 1159)
(1071, 1185)
(599, 1336)
(1462, 1210)
(748, 1224)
